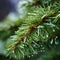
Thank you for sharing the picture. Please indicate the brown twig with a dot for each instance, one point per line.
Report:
(32, 28)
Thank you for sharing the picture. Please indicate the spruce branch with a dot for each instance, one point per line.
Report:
(36, 27)
(32, 28)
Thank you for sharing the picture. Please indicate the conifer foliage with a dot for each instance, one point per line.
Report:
(35, 35)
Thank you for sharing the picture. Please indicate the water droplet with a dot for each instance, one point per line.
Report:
(32, 55)
(47, 35)
(53, 30)
(29, 56)
(56, 43)
(13, 51)
(34, 45)
(41, 45)
(51, 41)
(41, 50)
(15, 56)
(56, 37)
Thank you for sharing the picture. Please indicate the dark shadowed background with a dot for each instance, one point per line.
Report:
(7, 6)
